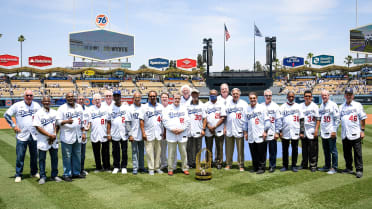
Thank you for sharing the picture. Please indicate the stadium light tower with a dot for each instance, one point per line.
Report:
(270, 52)
(21, 39)
(208, 53)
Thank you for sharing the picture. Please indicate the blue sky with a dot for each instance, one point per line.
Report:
(175, 29)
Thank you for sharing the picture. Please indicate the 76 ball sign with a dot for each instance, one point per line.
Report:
(101, 20)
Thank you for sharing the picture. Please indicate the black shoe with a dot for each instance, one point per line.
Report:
(284, 169)
(313, 169)
(348, 171)
(294, 169)
(324, 169)
(67, 178)
(260, 172)
(143, 170)
(78, 176)
(219, 167)
(359, 174)
(272, 170)
(253, 171)
(301, 167)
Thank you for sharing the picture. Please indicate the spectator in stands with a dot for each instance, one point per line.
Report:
(186, 97)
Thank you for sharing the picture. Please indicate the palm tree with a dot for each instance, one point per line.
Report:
(348, 60)
(309, 57)
(21, 39)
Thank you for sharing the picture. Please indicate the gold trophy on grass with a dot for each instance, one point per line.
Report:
(203, 169)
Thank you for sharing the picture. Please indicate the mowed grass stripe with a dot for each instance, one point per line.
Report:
(19, 195)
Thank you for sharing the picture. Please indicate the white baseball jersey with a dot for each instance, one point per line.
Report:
(118, 116)
(152, 118)
(24, 114)
(235, 118)
(196, 115)
(291, 115)
(47, 121)
(86, 119)
(134, 112)
(108, 106)
(351, 115)
(98, 119)
(224, 101)
(256, 117)
(273, 112)
(176, 118)
(311, 115)
(185, 101)
(213, 113)
(69, 133)
(329, 119)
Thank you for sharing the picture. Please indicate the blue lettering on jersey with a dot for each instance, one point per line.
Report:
(194, 110)
(135, 115)
(150, 114)
(234, 109)
(24, 113)
(324, 111)
(348, 112)
(290, 112)
(45, 122)
(73, 114)
(117, 114)
(98, 115)
(253, 115)
(309, 112)
(213, 109)
(176, 114)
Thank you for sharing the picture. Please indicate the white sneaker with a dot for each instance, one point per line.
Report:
(115, 171)
(332, 171)
(151, 173)
(37, 175)
(159, 171)
(42, 181)
(97, 171)
(17, 179)
(124, 171)
(57, 179)
(85, 172)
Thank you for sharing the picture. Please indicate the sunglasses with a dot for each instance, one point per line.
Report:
(307, 96)
(268, 95)
(29, 95)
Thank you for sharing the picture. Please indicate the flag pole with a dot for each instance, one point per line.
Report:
(254, 48)
(224, 40)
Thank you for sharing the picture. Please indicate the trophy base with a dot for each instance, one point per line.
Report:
(206, 176)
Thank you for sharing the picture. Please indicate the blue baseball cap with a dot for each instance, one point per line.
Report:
(117, 92)
(349, 90)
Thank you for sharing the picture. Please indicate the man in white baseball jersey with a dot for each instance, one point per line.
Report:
(45, 124)
(132, 125)
(99, 135)
(309, 138)
(80, 101)
(177, 122)
(119, 137)
(152, 131)
(235, 119)
(185, 98)
(215, 115)
(329, 122)
(108, 99)
(197, 122)
(273, 112)
(24, 112)
(290, 130)
(164, 99)
(257, 124)
(225, 97)
(353, 121)
(70, 119)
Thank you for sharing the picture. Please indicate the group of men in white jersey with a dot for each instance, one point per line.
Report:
(159, 128)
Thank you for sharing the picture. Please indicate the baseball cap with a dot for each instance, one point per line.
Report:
(194, 90)
(117, 92)
(349, 90)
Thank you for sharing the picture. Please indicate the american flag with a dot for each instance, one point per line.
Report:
(227, 34)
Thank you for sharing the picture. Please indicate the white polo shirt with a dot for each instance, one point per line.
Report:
(351, 115)
(24, 115)
(47, 121)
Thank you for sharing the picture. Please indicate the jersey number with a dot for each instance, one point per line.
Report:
(272, 119)
(182, 120)
(159, 119)
(295, 118)
(310, 118)
(198, 117)
(122, 119)
(327, 119)
(353, 118)
(257, 121)
(102, 121)
(238, 116)
(217, 116)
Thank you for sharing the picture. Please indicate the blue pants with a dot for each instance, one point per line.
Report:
(330, 148)
(138, 148)
(53, 160)
(83, 149)
(272, 145)
(71, 156)
(21, 149)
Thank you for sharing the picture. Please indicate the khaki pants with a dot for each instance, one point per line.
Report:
(219, 147)
(153, 150)
(163, 155)
(172, 149)
(230, 144)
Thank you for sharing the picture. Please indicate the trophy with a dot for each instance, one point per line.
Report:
(203, 170)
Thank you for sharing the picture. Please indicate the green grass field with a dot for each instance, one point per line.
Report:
(227, 189)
